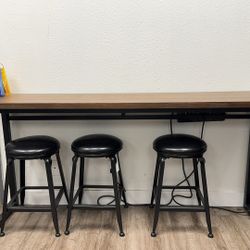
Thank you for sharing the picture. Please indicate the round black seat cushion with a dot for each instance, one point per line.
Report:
(32, 147)
(180, 146)
(96, 145)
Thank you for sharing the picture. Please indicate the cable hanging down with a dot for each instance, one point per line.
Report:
(186, 179)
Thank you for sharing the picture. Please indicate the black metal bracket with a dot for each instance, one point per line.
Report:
(34, 208)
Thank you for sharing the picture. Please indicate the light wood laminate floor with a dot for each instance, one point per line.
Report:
(98, 230)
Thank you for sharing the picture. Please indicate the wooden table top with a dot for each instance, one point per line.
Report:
(195, 100)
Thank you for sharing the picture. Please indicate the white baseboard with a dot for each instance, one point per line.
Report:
(140, 197)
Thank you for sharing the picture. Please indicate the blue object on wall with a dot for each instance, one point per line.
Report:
(1, 86)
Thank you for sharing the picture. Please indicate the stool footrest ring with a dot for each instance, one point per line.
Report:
(183, 208)
(82, 206)
(33, 208)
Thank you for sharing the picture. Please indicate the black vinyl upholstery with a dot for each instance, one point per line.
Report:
(96, 145)
(180, 146)
(32, 147)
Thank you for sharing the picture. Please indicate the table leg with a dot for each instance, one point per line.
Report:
(7, 138)
(247, 183)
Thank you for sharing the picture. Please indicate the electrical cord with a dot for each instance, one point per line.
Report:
(174, 196)
(186, 179)
(98, 201)
(202, 129)
(241, 213)
(105, 196)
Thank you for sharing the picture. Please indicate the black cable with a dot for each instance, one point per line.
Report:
(173, 196)
(186, 178)
(242, 213)
(110, 196)
(202, 129)
(187, 181)
(105, 196)
(171, 125)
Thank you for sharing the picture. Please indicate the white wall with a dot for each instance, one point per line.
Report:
(133, 46)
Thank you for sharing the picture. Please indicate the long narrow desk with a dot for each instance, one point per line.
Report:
(181, 106)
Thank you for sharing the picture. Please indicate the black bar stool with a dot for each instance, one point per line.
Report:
(30, 148)
(180, 146)
(97, 146)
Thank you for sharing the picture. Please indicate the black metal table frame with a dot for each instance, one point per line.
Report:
(184, 114)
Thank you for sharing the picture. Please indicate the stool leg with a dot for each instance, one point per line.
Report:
(121, 183)
(22, 181)
(48, 165)
(117, 195)
(12, 182)
(206, 202)
(155, 182)
(5, 198)
(158, 194)
(59, 162)
(196, 180)
(71, 194)
(81, 178)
